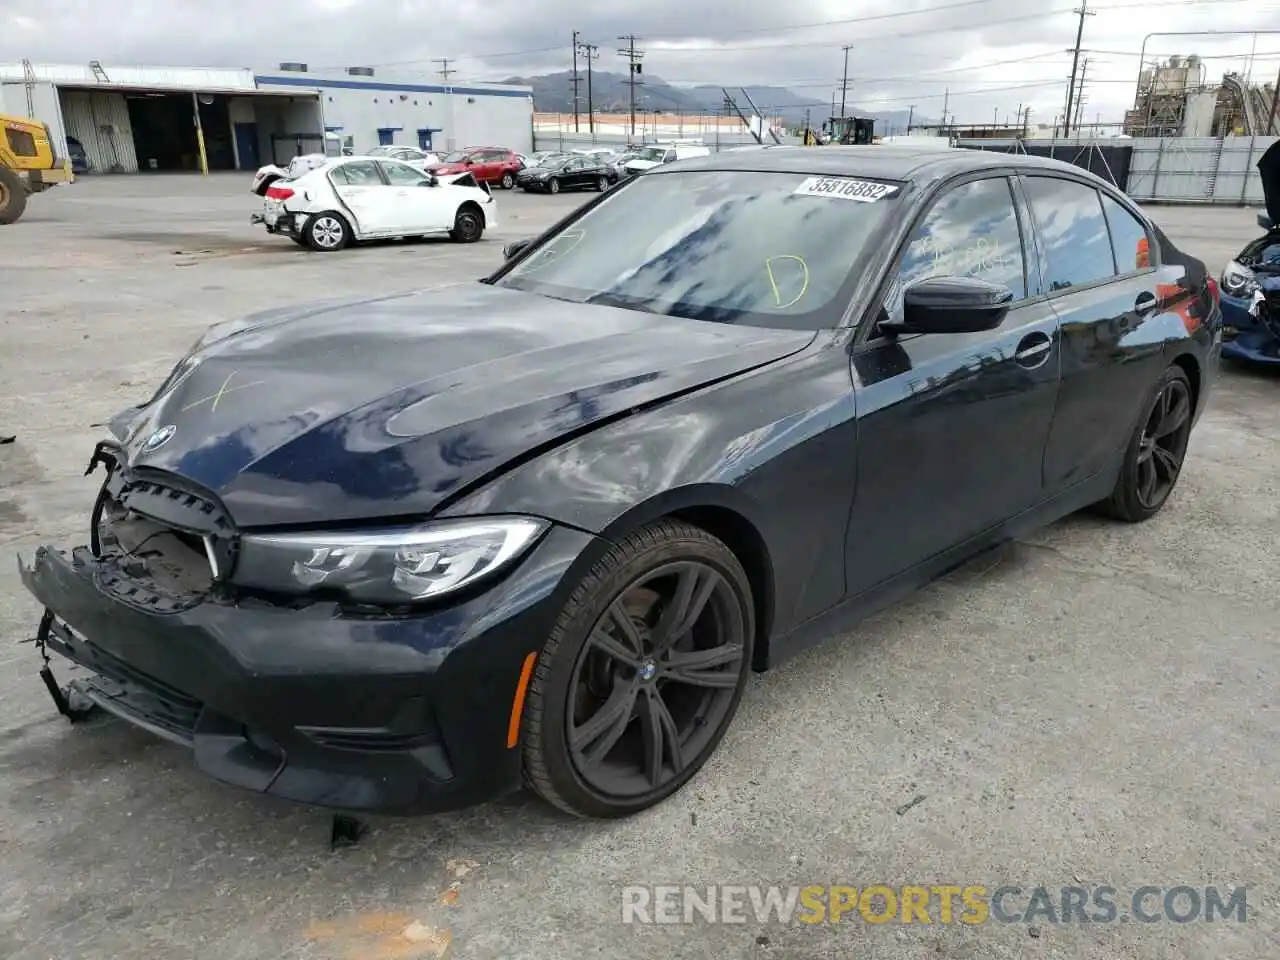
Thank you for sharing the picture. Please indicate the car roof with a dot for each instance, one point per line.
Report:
(878, 161)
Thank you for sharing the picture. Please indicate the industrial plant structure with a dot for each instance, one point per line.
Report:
(1173, 99)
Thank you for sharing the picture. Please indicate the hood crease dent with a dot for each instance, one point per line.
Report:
(355, 410)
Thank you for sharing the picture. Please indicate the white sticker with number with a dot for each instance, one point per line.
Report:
(842, 188)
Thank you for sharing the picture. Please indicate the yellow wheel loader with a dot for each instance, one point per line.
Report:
(28, 164)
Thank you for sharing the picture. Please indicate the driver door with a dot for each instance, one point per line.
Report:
(418, 207)
(952, 427)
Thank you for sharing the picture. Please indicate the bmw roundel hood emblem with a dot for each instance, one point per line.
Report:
(159, 438)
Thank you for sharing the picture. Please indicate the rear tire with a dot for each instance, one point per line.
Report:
(468, 225)
(646, 714)
(1155, 453)
(508, 181)
(326, 232)
(13, 196)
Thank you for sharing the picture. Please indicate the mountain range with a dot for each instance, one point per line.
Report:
(553, 93)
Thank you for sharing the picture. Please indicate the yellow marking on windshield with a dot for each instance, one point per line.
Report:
(773, 283)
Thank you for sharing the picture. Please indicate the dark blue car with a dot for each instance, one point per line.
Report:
(1251, 282)
(79, 159)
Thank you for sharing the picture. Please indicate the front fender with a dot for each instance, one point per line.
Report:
(776, 447)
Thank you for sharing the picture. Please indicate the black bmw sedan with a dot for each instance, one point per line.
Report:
(406, 554)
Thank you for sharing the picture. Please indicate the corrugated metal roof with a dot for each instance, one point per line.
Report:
(150, 78)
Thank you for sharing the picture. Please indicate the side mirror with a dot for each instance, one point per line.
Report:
(952, 305)
(1264, 221)
(514, 248)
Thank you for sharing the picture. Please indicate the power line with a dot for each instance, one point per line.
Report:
(633, 71)
(444, 68)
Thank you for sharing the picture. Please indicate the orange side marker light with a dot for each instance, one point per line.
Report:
(517, 704)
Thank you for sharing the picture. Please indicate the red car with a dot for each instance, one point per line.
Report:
(486, 164)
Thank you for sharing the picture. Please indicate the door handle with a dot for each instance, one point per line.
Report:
(1033, 350)
(1145, 303)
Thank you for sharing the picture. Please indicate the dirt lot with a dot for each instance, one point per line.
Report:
(1098, 706)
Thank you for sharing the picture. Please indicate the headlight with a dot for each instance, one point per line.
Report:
(385, 566)
(1238, 280)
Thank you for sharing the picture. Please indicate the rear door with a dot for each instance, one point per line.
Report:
(361, 188)
(418, 206)
(488, 165)
(952, 427)
(1103, 288)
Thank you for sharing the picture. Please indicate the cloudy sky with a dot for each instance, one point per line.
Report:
(991, 55)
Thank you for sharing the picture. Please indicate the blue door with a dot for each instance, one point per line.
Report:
(386, 137)
(247, 146)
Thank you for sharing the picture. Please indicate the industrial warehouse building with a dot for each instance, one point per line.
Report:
(140, 119)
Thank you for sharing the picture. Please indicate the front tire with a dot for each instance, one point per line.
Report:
(553, 186)
(327, 232)
(602, 184)
(1155, 453)
(13, 196)
(641, 675)
(468, 225)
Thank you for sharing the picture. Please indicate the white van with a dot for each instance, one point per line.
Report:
(654, 154)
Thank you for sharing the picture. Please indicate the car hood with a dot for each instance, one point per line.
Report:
(388, 407)
(1269, 168)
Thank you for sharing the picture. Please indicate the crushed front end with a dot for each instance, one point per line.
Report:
(306, 701)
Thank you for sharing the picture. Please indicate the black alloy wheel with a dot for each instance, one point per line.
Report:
(1154, 457)
(641, 675)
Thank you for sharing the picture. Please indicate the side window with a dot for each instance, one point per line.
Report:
(669, 157)
(399, 175)
(1129, 240)
(21, 142)
(1074, 231)
(362, 173)
(971, 231)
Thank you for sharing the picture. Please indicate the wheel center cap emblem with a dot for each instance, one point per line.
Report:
(648, 670)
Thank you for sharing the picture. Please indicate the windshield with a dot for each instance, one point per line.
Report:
(457, 156)
(380, 151)
(770, 249)
(652, 153)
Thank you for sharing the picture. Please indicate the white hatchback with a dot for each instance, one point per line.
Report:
(366, 198)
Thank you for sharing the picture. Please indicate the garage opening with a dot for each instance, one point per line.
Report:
(129, 130)
(164, 131)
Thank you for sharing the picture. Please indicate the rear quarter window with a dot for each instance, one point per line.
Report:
(1129, 240)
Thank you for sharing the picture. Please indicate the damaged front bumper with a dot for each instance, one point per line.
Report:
(391, 714)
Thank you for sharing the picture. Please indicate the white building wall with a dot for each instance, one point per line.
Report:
(470, 115)
(45, 100)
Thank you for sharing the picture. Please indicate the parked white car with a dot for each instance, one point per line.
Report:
(365, 198)
(657, 154)
(270, 173)
(410, 155)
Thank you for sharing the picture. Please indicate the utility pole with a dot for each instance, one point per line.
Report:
(590, 52)
(1084, 70)
(574, 81)
(844, 78)
(911, 112)
(444, 68)
(946, 99)
(1084, 11)
(633, 71)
